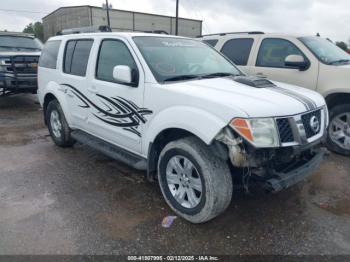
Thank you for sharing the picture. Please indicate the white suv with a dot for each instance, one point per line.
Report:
(307, 61)
(180, 110)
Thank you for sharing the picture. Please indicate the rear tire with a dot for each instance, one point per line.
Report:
(57, 125)
(195, 183)
(338, 138)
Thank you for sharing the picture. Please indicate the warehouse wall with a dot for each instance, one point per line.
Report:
(119, 19)
(73, 17)
(66, 18)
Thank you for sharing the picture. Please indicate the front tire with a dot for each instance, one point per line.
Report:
(195, 183)
(338, 139)
(57, 125)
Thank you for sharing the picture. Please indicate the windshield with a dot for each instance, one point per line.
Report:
(325, 50)
(19, 42)
(173, 59)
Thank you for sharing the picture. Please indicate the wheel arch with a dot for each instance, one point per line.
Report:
(177, 122)
(54, 91)
(337, 99)
(47, 99)
(157, 145)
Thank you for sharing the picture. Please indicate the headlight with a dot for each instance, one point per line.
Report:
(261, 132)
(3, 63)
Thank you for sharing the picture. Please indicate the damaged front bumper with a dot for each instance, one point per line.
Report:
(273, 168)
(282, 180)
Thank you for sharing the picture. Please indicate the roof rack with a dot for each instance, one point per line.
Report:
(87, 29)
(229, 33)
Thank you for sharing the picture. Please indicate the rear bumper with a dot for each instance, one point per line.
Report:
(280, 181)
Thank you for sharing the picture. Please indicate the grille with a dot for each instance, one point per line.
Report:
(22, 65)
(285, 130)
(311, 130)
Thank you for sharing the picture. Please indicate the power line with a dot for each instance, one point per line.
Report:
(22, 11)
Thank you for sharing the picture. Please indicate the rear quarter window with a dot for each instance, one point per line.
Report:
(48, 58)
(238, 50)
(211, 42)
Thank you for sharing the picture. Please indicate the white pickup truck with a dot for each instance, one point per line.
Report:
(181, 111)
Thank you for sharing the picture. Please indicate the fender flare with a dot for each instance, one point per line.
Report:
(59, 93)
(196, 121)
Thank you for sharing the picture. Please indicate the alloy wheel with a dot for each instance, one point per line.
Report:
(339, 130)
(184, 181)
(56, 125)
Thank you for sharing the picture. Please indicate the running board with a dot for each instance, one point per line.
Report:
(110, 150)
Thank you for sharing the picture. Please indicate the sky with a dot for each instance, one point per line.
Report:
(306, 17)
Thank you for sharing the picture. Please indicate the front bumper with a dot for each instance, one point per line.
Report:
(17, 84)
(279, 180)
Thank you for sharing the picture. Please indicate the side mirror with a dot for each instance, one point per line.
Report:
(122, 74)
(296, 61)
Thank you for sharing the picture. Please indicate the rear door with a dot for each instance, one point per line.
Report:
(74, 79)
(269, 62)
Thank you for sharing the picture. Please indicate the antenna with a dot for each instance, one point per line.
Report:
(107, 7)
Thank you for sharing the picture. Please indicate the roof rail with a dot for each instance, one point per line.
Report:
(161, 32)
(87, 29)
(229, 33)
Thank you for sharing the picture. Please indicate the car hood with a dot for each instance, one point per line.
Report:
(20, 53)
(227, 95)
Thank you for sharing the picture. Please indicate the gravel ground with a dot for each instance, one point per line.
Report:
(78, 201)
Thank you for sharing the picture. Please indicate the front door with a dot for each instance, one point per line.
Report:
(117, 115)
(270, 63)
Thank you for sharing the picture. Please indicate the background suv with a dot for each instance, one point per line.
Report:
(19, 57)
(312, 62)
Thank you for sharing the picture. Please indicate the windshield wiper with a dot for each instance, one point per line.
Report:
(339, 61)
(219, 74)
(182, 77)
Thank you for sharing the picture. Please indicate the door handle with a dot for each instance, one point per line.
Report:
(93, 90)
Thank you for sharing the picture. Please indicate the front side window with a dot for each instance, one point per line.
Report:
(326, 51)
(238, 50)
(113, 53)
(49, 54)
(273, 52)
(76, 57)
(172, 59)
(19, 43)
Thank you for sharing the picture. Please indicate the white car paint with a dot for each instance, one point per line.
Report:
(203, 107)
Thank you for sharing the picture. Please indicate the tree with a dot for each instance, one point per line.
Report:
(342, 45)
(36, 29)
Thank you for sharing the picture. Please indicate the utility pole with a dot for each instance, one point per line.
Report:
(177, 18)
(107, 9)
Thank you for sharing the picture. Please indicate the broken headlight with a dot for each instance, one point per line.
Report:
(260, 132)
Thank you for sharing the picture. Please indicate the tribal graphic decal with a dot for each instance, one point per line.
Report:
(116, 111)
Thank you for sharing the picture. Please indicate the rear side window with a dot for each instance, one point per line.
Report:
(49, 54)
(273, 52)
(238, 50)
(211, 42)
(76, 57)
(113, 53)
